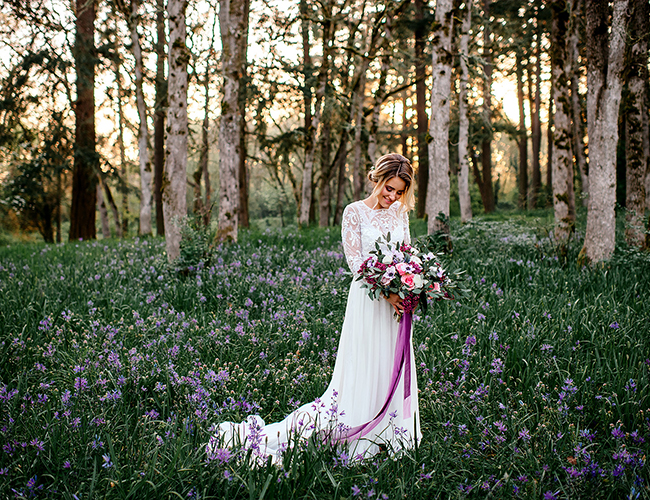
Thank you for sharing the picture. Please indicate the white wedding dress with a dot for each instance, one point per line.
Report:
(359, 390)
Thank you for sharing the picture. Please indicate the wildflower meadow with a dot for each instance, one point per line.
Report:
(116, 368)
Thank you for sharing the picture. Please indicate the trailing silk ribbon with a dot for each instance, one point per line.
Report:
(401, 364)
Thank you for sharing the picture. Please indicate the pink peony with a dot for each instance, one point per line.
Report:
(407, 279)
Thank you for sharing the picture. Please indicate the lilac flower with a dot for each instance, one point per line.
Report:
(355, 491)
(107, 461)
(614, 325)
(524, 435)
(618, 433)
(549, 495)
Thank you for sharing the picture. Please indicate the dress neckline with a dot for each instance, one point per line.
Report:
(379, 210)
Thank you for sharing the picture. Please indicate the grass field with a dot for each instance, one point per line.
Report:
(115, 367)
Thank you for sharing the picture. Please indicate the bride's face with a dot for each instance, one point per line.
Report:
(391, 192)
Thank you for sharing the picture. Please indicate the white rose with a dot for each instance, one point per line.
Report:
(417, 281)
(388, 259)
(416, 260)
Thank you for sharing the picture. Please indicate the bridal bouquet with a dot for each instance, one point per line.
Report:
(403, 269)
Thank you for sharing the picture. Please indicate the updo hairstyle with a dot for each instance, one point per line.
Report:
(389, 166)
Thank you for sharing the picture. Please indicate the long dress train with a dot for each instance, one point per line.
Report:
(363, 371)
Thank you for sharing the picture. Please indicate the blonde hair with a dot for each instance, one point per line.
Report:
(390, 166)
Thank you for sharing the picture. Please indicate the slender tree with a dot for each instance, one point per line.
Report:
(522, 138)
(535, 100)
(243, 168)
(174, 194)
(314, 130)
(86, 160)
(484, 179)
(576, 98)
(636, 121)
(421, 32)
(605, 58)
(562, 164)
(131, 13)
(159, 117)
(232, 23)
(463, 125)
(438, 188)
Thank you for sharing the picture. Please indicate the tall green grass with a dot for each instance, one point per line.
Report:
(116, 367)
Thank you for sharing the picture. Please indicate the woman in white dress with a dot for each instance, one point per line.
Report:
(371, 401)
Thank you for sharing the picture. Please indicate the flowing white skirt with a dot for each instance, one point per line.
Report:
(355, 395)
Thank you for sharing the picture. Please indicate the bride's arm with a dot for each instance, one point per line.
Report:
(351, 238)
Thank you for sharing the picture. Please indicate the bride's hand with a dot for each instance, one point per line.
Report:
(395, 301)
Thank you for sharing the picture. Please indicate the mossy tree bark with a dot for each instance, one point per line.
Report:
(577, 13)
(421, 32)
(159, 117)
(523, 132)
(232, 24)
(535, 101)
(175, 176)
(636, 121)
(86, 160)
(463, 125)
(605, 59)
(484, 177)
(562, 164)
(314, 128)
(438, 190)
(146, 174)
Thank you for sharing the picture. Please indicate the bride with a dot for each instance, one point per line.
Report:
(367, 403)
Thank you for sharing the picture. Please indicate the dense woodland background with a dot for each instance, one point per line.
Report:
(131, 115)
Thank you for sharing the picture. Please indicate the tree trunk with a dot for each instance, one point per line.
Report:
(404, 136)
(523, 136)
(174, 193)
(159, 117)
(201, 210)
(243, 170)
(86, 160)
(487, 191)
(339, 162)
(535, 100)
(143, 131)
(578, 128)
(326, 167)
(562, 165)
(103, 213)
(314, 130)
(421, 33)
(463, 119)
(380, 96)
(549, 150)
(232, 24)
(438, 188)
(604, 84)
(58, 206)
(124, 167)
(357, 176)
(636, 120)
(111, 203)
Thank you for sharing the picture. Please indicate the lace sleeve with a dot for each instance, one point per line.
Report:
(407, 231)
(351, 237)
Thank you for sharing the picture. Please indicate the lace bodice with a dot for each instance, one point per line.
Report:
(362, 226)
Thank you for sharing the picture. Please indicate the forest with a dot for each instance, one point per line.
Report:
(130, 115)
(173, 175)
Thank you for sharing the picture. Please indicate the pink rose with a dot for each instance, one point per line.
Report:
(436, 286)
(408, 281)
(401, 268)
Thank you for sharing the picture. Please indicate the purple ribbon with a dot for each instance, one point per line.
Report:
(401, 364)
